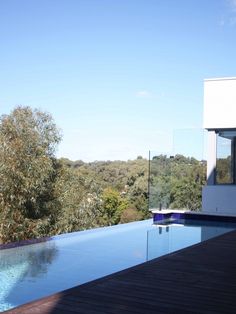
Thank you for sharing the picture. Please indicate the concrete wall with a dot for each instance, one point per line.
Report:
(211, 157)
(219, 199)
(219, 113)
(219, 103)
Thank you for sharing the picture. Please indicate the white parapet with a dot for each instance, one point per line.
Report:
(219, 199)
(220, 103)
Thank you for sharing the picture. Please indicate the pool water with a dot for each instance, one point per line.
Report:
(33, 271)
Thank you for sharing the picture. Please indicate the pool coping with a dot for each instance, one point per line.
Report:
(163, 215)
(12, 245)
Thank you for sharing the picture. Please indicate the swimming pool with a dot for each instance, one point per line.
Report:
(33, 271)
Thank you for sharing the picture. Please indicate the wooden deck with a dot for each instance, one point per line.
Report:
(198, 279)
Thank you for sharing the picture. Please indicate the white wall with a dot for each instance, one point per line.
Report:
(219, 199)
(211, 157)
(220, 103)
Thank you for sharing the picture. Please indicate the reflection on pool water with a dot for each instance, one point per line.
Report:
(33, 271)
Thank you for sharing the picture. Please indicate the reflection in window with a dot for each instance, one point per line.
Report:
(225, 161)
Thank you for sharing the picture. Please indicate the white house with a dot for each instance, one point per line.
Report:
(219, 195)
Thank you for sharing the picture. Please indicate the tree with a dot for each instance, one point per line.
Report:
(186, 189)
(130, 214)
(112, 205)
(80, 201)
(176, 182)
(28, 173)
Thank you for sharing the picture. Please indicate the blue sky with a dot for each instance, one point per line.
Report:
(118, 76)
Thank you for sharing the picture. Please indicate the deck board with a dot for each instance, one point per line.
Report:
(200, 279)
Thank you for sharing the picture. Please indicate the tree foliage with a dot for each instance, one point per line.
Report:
(42, 196)
(80, 202)
(176, 182)
(28, 173)
(224, 170)
(111, 207)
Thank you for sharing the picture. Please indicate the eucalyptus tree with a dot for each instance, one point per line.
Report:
(28, 173)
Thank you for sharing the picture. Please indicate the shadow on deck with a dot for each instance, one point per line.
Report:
(198, 279)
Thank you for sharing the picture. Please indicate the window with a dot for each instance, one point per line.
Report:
(225, 158)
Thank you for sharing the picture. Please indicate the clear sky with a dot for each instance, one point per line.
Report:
(118, 76)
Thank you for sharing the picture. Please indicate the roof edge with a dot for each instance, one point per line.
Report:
(220, 79)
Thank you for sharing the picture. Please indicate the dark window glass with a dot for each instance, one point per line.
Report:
(225, 159)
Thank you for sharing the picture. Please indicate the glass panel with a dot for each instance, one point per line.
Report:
(176, 179)
(189, 168)
(159, 180)
(224, 159)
